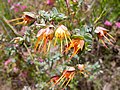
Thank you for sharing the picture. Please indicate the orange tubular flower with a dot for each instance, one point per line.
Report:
(102, 32)
(45, 35)
(66, 77)
(54, 79)
(62, 33)
(27, 18)
(77, 44)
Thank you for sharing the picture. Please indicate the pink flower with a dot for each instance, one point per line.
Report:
(107, 23)
(9, 1)
(41, 60)
(17, 5)
(7, 62)
(81, 66)
(50, 2)
(15, 69)
(16, 9)
(23, 7)
(117, 24)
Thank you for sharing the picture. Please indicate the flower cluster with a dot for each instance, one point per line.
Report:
(108, 23)
(77, 44)
(67, 75)
(27, 18)
(17, 7)
(47, 34)
(102, 33)
(61, 35)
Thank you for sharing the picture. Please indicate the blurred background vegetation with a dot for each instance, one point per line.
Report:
(23, 69)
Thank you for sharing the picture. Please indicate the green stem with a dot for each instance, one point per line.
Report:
(28, 51)
(5, 29)
(12, 28)
(99, 16)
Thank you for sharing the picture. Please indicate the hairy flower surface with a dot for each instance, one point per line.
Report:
(27, 18)
(62, 33)
(77, 44)
(102, 33)
(44, 35)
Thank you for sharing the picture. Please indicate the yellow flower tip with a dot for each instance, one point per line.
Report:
(44, 46)
(104, 44)
(61, 45)
(37, 43)
(62, 33)
(111, 37)
(68, 75)
(14, 20)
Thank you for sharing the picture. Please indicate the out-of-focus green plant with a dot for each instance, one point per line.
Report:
(28, 54)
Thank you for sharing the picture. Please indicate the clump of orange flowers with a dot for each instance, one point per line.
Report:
(46, 35)
(27, 18)
(102, 34)
(67, 75)
(77, 44)
(65, 78)
(61, 33)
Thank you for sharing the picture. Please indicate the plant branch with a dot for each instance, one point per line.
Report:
(12, 28)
